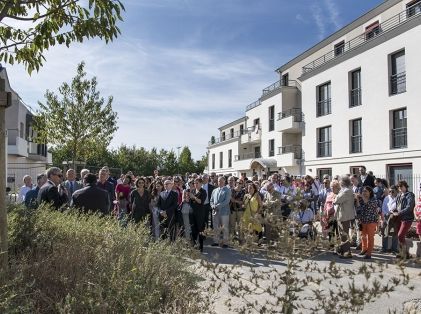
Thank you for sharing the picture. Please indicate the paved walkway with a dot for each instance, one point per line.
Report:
(246, 264)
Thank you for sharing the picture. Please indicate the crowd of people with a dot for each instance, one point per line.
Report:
(349, 209)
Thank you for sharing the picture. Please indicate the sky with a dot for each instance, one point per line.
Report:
(182, 68)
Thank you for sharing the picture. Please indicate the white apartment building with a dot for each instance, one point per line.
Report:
(23, 155)
(352, 99)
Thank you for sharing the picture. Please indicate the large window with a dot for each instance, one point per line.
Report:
(398, 74)
(221, 160)
(413, 8)
(355, 88)
(271, 148)
(223, 136)
(399, 135)
(213, 161)
(323, 100)
(324, 142)
(232, 133)
(229, 158)
(271, 118)
(321, 172)
(355, 136)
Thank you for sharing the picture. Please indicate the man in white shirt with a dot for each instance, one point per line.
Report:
(27, 186)
(388, 207)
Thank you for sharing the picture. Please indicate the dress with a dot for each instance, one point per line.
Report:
(251, 205)
(140, 205)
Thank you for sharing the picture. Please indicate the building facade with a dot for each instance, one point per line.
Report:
(24, 156)
(351, 100)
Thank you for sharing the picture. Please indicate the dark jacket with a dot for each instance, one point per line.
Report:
(91, 198)
(31, 198)
(110, 188)
(405, 205)
(169, 205)
(49, 193)
(369, 181)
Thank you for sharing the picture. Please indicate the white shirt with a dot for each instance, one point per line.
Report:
(22, 192)
(303, 217)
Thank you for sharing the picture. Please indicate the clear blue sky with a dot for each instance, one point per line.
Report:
(182, 68)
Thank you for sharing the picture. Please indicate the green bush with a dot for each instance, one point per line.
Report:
(73, 263)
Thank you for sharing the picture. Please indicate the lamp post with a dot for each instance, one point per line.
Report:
(178, 159)
(5, 101)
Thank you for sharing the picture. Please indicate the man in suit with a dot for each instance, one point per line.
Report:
(220, 204)
(71, 184)
(168, 203)
(208, 187)
(365, 178)
(52, 192)
(91, 198)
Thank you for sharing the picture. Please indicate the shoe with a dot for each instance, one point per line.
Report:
(214, 244)
(382, 251)
(224, 246)
(367, 257)
(348, 255)
(362, 253)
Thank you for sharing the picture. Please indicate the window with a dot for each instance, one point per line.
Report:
(221, 159)
(401, 172)
(339, 48)
(285, 79)
(22, 130)
(256, 122)
(271, 118)
(241, 128)
(232, 133)
(399, 132)
(354, 170)
(271, 148)
(413, 8)
(355, 136)
(229, 158)
(213, 161)
(372, 30)
(355, 92)
(323, 100)
(321, 172)
(223, 136)
(324, 142)
(257, 152)
(398, 74)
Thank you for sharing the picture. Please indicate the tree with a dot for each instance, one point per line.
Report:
(78, 120)
(47, 23)
(185, 161)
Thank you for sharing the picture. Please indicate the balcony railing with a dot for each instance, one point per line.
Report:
(225, 138)
(279, 84)
(295, 112)
(356, 144)
(296, 149)
(388, 25)
(246, 156)
(253, 105)
(398, 83)
(355, 97)
(399, 138)
(324, 149)
(323, 107)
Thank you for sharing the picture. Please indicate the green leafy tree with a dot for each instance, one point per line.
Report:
(186, 163)
(78, 120)
(47, 23)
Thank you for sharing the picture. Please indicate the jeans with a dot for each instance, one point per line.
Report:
(187, 226)
(385, 243)
(403, 230)
(221, 224)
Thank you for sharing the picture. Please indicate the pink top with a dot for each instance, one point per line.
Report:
(123, 191)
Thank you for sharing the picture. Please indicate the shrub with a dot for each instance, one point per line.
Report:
(74, 263)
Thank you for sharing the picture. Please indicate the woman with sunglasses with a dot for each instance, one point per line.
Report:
(368, 213)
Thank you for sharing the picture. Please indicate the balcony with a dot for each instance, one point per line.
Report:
(278, 84)
(290, 121)
(251, 135)
(225, 138)
(243, 161)
(15, 144)
(253, 105)
(383, 28)
(289, 155)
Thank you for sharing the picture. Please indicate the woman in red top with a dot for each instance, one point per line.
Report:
(122, 193)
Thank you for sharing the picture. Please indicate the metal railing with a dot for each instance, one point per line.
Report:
(225, 138)
(398, 83)
(253, 105)
(247, 156)
(296, 149)
(323, 107)
(279, 84)
(388, 25)
(324, 149)
(356, 144)
(355, 97)
(295, 112)
(399, 138)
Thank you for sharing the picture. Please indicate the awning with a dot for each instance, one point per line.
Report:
(263, 163)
